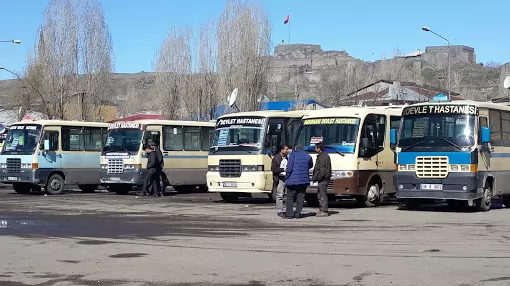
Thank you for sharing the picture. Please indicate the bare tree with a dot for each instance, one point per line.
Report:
(71, 65)
(173, 67)
(244, 43)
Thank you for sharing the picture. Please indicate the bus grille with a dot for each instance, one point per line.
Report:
(13, 165)
(115, 166)
(230, 168)
(432, 167)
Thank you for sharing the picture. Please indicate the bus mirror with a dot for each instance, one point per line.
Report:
(486, 134)
(46, 145)
(393, 136)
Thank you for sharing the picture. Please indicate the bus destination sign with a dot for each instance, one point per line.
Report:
(441, 109)
(125, 125)
(240, 121)
(321, 121)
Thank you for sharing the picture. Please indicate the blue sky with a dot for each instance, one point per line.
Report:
(365, 29)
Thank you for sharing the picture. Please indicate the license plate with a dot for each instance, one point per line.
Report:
(435, 187)
(114, 179)
(229, 184)
(12, 178)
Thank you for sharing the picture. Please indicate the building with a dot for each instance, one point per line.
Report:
(386, 92)
(74, 109)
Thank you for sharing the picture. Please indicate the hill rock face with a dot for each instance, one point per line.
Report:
(302, 71)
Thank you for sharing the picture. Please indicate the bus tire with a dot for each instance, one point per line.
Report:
(55, 185)
(483, 204)
(22, 188)
(372, 198)
(272, 196)
(229, 197)
(88, 188)
(36, 188)
(312, 200)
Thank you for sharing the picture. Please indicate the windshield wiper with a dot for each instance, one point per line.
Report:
(413, 145)
(217, 148)
(451, 143)
(119, 147)
(336, 150)
(245, 148)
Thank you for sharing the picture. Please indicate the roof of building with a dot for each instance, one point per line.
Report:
(269, 113)
(288, 104)
(139, 117)
(353, 111)
(430, 88)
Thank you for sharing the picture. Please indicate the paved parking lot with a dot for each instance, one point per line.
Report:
(196, 239)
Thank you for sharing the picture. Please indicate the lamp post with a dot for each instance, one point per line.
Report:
(426, 29)
(11, 41)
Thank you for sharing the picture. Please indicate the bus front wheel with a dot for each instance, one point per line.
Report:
(22, 188)
(372, 197)
(55, 185)
(483, 204)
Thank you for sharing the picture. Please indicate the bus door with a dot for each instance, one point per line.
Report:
(50, 153)
(292, 128)
(368, 150)
(275, 136)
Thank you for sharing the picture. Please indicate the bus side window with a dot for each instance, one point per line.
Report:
(52, 136)
(274, 136)
(482, 122)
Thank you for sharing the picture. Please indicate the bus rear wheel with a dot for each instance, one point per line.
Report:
(88, 188)
(506, 200)
(22, 188)
(229, 197)
(55, 185)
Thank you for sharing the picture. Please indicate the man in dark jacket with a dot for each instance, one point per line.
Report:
(297, 179)
(159, 168)
(279, 177)
(152, 160)
(322, 175)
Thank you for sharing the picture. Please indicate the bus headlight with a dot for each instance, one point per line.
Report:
(104, 166)
(214, 168)
(253, 168)
(26, 166)
(464, 168)
(341, 174)
(3, 165)
(129, 167)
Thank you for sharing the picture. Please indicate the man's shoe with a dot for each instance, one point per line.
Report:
(285, 216)
(281, 214)
(322, 214)
(298, 216)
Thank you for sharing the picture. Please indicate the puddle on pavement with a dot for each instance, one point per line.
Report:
(128, 255)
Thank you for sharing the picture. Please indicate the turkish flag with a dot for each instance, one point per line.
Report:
(287, 19)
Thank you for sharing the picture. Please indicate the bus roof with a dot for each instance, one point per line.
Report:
(173, 122)
(52, 122)
(480, 104)
(353, 111)
(269, 113)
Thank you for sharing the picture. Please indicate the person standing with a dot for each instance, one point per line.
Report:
(278, 166)
(322, 175)
(159, 169)
(296, 180)
(147, 187)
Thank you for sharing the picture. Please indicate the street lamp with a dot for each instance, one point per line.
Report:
(9, 71)
(11, 41)
(426, 29)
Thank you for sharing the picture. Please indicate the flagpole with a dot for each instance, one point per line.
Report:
(289, 31)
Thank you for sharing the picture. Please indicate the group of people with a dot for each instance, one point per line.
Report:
(155, 163)
(291, 177)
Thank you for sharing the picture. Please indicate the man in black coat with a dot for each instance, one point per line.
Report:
(152, 160)
(159, 168)
(279, 177)
(322, 175)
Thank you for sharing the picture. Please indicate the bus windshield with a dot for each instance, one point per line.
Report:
(441, 131)
(337, 134)
(22, 139)
(127, 140)
(238, 136)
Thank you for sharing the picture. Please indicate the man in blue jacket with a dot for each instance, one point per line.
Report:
(297, 179)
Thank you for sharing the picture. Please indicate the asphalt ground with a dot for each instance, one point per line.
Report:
(197, 239)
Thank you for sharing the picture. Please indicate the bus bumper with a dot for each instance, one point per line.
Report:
(128, 177)
(248, 182)
(341, 187)
(457, 186)
(23, 176)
